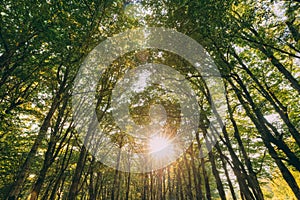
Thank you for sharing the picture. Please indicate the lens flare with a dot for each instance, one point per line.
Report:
(160, 147)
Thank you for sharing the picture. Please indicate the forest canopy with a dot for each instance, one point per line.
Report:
(144, 99)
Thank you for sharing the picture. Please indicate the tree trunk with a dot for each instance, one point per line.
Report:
(266, 139)
(265, 50)
(272, 99)
(24, 170)
(49, 156)
(196, 177)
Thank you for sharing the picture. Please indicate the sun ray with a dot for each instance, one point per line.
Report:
(160, 147)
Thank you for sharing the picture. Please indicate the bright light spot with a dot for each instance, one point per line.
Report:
(161, 147)
(158, 143)
(134, 10)
(31, 176)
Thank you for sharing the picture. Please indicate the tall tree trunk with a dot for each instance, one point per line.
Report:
(268, 52)
(128, 180)
(294, 30)
(127, 186)
(116, 182)
(228, 178)
(281, 110)
(24, 170)
(252, 175)
(196, 176)
(77, 175)
(202, 164)
(81, 160)
(267, 139)
(91, 185)
(260, 121)
(189, 177)
(217, 176)
(49, 156)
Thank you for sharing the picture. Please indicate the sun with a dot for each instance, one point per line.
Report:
(158, 143)
(161, 147)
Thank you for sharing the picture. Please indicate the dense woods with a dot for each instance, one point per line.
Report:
(255, 45)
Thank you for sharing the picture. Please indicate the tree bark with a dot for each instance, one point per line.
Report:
(24, 170)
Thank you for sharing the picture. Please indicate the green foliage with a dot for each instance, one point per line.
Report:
(42, 45)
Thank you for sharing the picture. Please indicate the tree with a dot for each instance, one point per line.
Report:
(255, 46)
